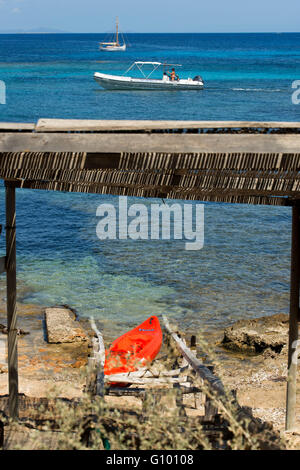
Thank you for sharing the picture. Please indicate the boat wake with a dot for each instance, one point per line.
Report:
(267, 90)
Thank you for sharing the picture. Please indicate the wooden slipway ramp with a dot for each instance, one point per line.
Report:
(216, 408)
(220, 406)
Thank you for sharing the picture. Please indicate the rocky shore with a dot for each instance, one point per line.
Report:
(251, 358)
(259, 335)
(56, 366)
(253, 361)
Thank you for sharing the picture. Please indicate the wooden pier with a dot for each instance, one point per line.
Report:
(233, 162)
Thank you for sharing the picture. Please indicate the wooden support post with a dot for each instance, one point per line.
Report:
(193, 344)
(2, 264)
(11, 297)
(293, 325)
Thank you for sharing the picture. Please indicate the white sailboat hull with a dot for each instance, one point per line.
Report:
(116, 82)
(113, 48)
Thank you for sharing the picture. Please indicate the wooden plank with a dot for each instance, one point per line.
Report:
(142, 392)
(66, 125)
(149, 373)
(130, 379)
(98, 359)
(100, 353)
(11, 289)
(135, 143)
(248, 422)
(17, 126)
(2, 264)
(214, 382)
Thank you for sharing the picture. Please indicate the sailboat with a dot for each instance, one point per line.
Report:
(114, 45)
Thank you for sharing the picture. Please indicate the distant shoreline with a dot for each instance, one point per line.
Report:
(158, 33)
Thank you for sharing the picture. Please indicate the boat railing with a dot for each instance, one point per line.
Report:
(139, 65)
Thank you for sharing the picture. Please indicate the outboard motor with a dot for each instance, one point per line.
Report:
(198, 78)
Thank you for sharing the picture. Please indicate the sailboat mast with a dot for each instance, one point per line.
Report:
(117, 31)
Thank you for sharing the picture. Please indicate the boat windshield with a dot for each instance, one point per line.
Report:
(155, 66)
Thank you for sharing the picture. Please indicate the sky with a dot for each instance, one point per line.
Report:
(93, 16)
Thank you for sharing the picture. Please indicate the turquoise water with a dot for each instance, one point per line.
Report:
(247, 76)
(243, 268)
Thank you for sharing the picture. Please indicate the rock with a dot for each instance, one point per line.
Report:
(3, 369)
(258, 335)
(62, 326)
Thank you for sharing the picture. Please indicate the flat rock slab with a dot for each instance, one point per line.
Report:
(62, 326)
(257, 335)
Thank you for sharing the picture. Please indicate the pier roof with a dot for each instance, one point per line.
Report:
(238, 162)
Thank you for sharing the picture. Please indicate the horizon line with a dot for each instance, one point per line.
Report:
(149, 32)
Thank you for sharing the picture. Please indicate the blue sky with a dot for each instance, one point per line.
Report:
(151, 15)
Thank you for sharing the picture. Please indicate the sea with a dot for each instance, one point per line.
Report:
(242, 270)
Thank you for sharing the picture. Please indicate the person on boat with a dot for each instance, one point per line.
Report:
(173, 75)
(165, 77)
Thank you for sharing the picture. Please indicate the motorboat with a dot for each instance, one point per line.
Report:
(168, 81)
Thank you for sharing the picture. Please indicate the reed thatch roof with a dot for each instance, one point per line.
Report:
(244, 162)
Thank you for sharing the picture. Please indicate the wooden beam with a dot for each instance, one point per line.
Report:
(147, 372)
(142, 392)
(293, 321)
(136, 380)
(248, 422)
(135, 143)
(96, 362)
(11, 298)
(66, 125)
(214, 382)
(17, 126)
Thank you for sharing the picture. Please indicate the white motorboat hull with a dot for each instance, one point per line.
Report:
(115, 82)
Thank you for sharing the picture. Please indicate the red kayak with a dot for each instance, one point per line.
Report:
(135, 348)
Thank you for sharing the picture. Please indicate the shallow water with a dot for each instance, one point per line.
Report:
(242, 270)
